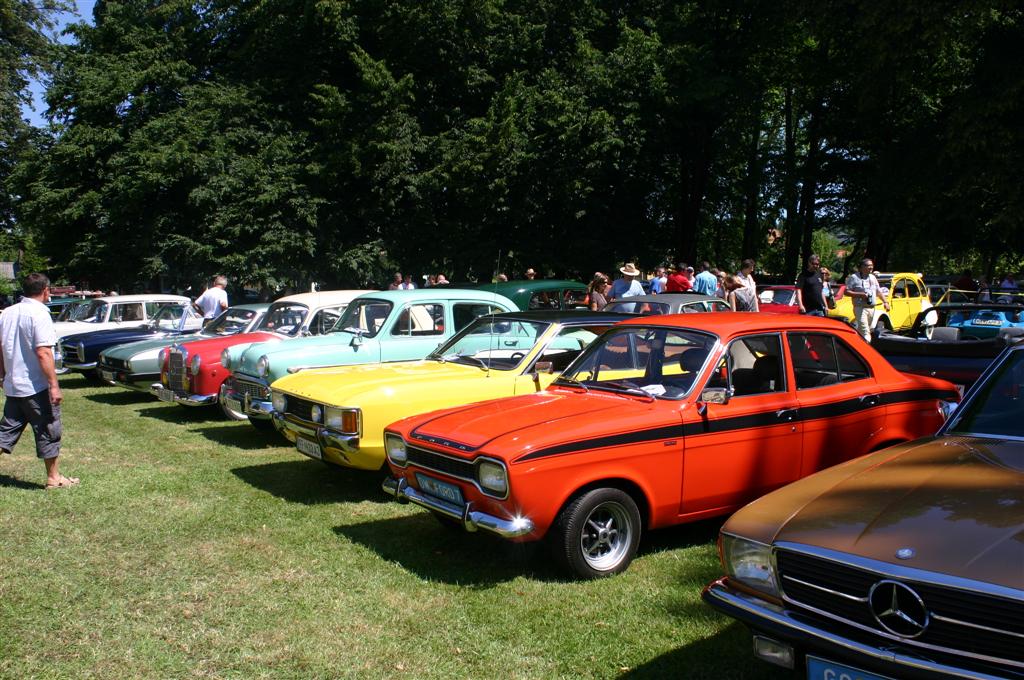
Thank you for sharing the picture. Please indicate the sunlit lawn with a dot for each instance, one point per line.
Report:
(198, 547)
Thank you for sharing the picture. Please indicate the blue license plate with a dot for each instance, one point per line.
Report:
(819, 669)
(437, 488)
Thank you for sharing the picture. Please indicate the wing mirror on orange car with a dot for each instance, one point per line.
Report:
(715, 395)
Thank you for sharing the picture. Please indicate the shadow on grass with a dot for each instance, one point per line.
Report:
(170, 413)
(680, 536)
(242, 436)
(119, 398)
(76, 381)
(15, 483)
(423, 546)
(313, 483)
(720, 657)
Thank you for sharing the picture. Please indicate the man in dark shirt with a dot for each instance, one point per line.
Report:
(810, 295)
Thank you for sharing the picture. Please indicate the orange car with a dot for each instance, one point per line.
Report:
(661, 420)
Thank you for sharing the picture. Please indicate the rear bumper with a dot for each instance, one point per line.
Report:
(778, 623)
(464, 514)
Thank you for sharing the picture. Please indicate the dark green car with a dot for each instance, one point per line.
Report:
(539, 293)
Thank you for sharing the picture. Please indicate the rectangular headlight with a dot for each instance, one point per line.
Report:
(492, 477)
(395, 447)
(750, 563)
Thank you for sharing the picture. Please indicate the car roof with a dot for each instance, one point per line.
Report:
(566, 316)
(728, 324)
(323, 297)
(434, 293)
(670, 298)
(525, 285)
(144, 297)
(252, 306)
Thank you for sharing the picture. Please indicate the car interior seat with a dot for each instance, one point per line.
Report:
(946, 334)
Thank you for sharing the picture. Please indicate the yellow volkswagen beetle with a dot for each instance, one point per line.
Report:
(338, 414)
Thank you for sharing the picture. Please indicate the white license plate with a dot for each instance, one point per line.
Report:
(821, 669)
(234, 405)
(107, 375)
(310, 448)
(438, 489)
(164, 394)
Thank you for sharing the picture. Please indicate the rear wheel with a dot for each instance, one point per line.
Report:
(597, 533)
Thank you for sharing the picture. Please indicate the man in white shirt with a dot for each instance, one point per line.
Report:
(214, 299)
(30, 382)
(864, 289)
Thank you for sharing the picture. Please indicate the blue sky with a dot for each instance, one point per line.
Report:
(83, 11)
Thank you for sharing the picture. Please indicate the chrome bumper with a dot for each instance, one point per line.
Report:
(254, 408)
(67, 365)
(774, 621)
(348, 443)
(184, 400)
(465, 514)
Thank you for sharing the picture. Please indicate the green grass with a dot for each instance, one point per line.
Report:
(196, 547)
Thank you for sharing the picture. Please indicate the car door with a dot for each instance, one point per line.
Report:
(899, 304)
(750, 445)
(841, 404)
(416, 329)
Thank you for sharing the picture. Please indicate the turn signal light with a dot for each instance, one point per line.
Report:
(349, 421)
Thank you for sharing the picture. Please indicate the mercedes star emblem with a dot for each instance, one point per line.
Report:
(898, 608)
(905, 553)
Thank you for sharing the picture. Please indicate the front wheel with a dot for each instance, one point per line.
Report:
(597, 533)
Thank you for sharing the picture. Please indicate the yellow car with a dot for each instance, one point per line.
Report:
(338, 414)
(907, 295)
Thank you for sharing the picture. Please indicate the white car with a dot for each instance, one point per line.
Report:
(116, 311)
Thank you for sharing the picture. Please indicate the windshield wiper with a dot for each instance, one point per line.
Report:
(629, 388)
(460, 355)
(572, 381)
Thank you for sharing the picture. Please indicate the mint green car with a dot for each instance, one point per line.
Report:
(394, 325)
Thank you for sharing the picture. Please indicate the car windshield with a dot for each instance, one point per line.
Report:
(94, 312)
(285, 318)
(492, 342)
(365, 317)
(995, 409)
(231, 321)
(71, 310)
(168, 317)
(644, 308)
(657, 362)
(776, 296)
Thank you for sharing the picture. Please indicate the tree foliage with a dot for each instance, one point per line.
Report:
(284, 141)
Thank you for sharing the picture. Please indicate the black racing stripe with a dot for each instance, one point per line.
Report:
(718, 425)
(652, 434)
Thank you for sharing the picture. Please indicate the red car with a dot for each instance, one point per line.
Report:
(780, 299)
(661, 420)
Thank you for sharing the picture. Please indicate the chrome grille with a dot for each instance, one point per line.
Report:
(252, 390)
(961, 622)
(300, 408)
(462, 469)
(71, 353)
(176, 375)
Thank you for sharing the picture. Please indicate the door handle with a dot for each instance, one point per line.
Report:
(870, 399)
(510, 343)
(787, 414)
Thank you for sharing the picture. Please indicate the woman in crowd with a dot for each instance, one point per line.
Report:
(739, 296)
(596, 292)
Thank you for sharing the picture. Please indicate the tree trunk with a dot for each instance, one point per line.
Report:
(694, 171)
(753, 237)
(789, 189)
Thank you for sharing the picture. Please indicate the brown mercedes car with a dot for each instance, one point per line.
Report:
(906, 563)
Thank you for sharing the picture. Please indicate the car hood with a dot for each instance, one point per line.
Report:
(320, 350)
(558, 421)
(128, 350)
(117, 336)
(342, 386)
(957, 502)
(210, 349)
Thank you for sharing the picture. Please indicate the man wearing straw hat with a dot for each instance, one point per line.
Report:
(627, 286)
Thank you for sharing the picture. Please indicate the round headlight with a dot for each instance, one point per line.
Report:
(316, 413)
(225, 358)
(195, 365)
(279, 401)
(492, 477)
(263, 366)
(395, 446)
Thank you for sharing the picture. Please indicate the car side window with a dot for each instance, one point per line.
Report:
(574, 299)
(912, 289)
(544, 300)
(851, 365)
(755, 365)
(567, 345)
(152, 307)
(127, 312)
(420, 320)
(814, 360)
(324, 321)
(464, 313)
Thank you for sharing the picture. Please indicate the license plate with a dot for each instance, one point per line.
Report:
(310, 448)
(443, 490)
(107, 375)
(164, 394)
(234, 405)
(987, 322)
(820, 669)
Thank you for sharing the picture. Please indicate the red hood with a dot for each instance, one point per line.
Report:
(520, 429)
(209, 350)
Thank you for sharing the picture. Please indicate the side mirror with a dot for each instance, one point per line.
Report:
(715, 395)
(544, 367)
(357, 340)
(305, 332)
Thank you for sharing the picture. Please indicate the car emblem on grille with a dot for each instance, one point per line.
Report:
(314, 413)
(898, 608)
(905, 553)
